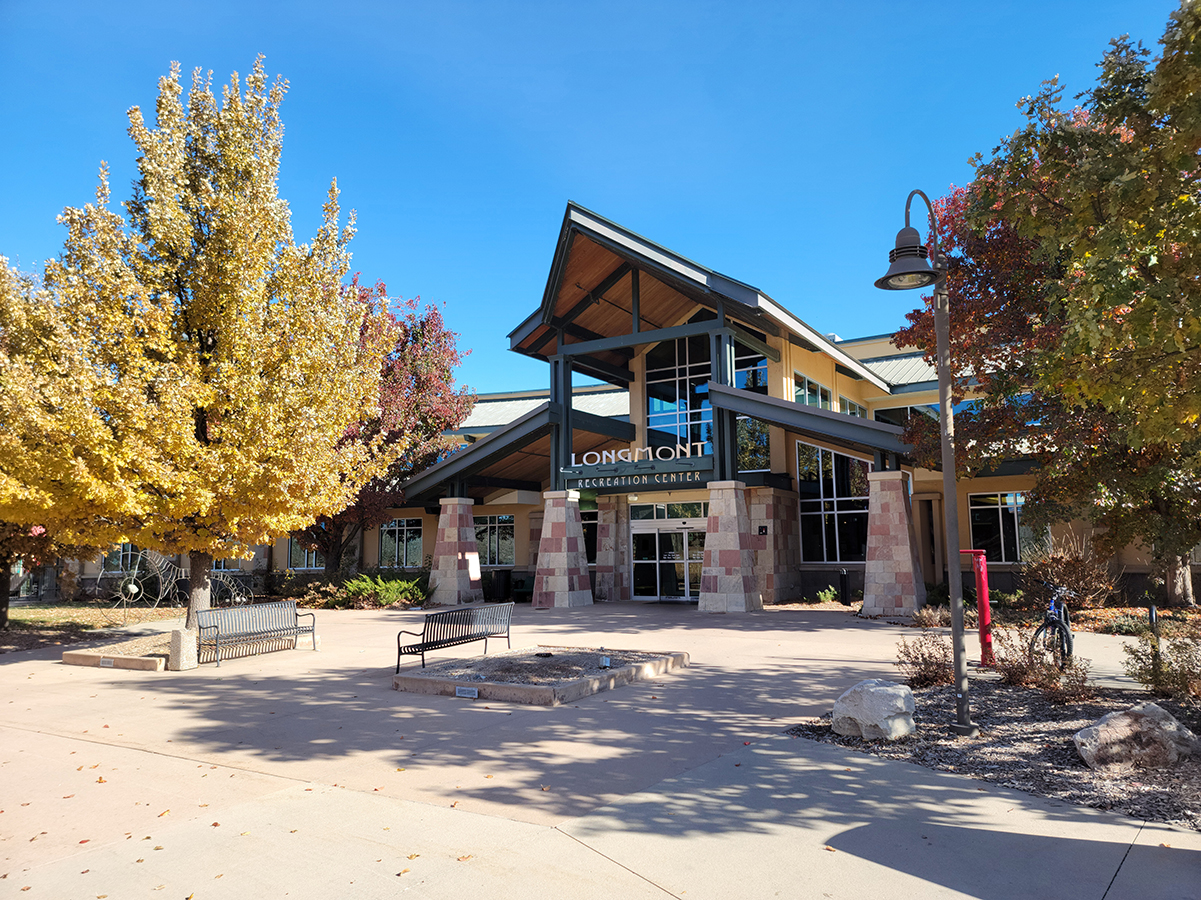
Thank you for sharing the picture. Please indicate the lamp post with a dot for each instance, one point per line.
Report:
(910, 269)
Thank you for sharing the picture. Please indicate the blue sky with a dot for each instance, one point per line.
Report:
(774, 142)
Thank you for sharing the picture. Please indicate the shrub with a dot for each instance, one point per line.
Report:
(1073, 685)
(1015, 664)
(930, 616)
(1071, 562)
(1128, 624)
(828, 594)
(1167, 667)
(366, 591)
(926, 661)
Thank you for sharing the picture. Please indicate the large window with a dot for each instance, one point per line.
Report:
(300, 558)
(494, 538)
(400, 544)
(808, 392)
(644, 511)
(677, 396)
(899, 415)
(851, 408)
(677, 391)
(122, 560)
(996, 526)
(834, 493)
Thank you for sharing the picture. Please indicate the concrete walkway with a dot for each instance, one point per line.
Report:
(303, 774)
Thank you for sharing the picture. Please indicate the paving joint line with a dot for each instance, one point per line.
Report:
(604, 856)
(1122, 862)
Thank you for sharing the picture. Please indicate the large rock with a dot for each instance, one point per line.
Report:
(875, 710)
(1145, 735)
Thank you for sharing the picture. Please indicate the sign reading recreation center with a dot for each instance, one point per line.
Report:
(647, 468)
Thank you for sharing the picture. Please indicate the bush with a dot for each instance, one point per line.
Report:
(927, 661)
(828, 594)
(1016, 666)
(1128, 624)
(930, 616)
(1072, 563)
(1073, 685)
(1167, 667)
(367, 590)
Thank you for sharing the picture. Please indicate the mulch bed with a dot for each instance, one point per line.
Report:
(557, 665)
(1026, 743)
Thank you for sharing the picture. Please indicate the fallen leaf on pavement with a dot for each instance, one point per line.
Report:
(401, 872)
(465, 858)
(414, 855)
(831, 849)
(163, 813)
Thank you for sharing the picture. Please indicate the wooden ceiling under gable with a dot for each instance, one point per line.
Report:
(586, 313)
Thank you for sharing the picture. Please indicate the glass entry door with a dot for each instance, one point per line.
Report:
(667, 564)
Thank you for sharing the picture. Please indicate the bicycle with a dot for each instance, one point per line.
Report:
(1052, 641)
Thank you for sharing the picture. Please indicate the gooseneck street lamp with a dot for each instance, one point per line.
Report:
(909, 269)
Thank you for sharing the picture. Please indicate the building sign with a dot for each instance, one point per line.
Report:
(648, 475)
(635, 454)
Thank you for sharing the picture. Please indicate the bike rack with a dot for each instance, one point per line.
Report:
(983, 613)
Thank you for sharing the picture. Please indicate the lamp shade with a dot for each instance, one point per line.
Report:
(909, 268)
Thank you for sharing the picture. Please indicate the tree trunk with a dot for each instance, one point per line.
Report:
(6, 577)
(1178, 582)
(199, 585)
(333, 554)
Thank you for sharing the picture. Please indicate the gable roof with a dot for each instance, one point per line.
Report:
(589, 295)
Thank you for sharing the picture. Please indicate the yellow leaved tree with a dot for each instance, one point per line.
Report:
(185, 376)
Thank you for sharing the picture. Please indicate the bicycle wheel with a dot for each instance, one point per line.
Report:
(1052, 644)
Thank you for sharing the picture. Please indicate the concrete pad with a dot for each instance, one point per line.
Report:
(855, 826)
(546, 794)
(322, 842)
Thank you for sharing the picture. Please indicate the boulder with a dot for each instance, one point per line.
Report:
(875, 710)
(1145, 735)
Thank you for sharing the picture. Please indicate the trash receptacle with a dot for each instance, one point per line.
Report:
(501, 584)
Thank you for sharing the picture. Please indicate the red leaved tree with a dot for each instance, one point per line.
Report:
(418, 402)
(1091, 464)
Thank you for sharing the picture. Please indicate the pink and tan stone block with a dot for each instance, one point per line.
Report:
(562, 575)
(455, 578)
(728, 582)
(892, 581)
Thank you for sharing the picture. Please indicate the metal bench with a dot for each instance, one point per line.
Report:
(275, 626)
(457, 626)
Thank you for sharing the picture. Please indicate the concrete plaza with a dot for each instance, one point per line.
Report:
(303, 774)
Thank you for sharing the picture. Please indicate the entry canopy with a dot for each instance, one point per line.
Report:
(601, 273)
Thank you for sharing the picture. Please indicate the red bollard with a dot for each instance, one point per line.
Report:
(983, 613)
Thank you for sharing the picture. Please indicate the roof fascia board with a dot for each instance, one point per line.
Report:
(788, 414)
(783, 316)
(494, 444)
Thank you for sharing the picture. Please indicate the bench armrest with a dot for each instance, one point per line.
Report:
(310, 615)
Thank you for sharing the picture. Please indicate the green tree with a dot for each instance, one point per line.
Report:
(1004, 329)
(185, 376)
(1110, 189)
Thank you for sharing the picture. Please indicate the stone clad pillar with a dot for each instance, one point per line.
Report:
(606, 548)
(562, 576)
(455, 577)
(892, 579)
(728, 582)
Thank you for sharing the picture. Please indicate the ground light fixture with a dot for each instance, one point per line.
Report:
(909, 268)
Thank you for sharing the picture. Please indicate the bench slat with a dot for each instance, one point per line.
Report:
(261, 623)
(452, 627)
